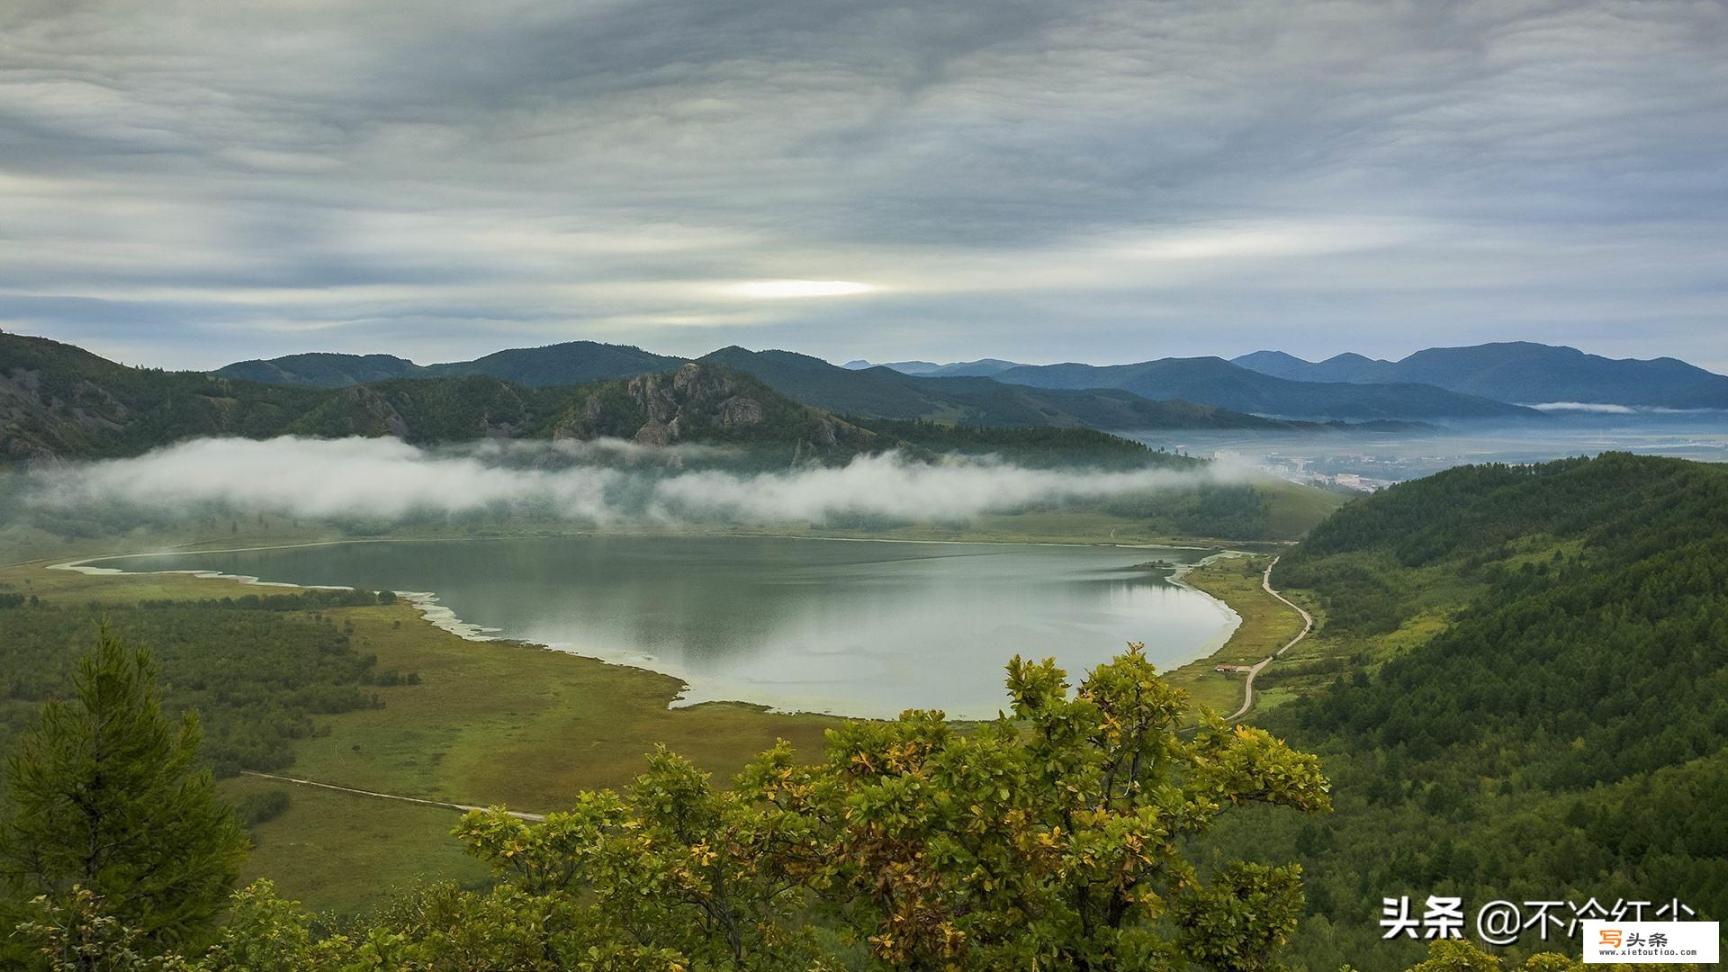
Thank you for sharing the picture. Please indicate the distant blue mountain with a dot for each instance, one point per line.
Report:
(1518, 371)
(982, 368)
(1214, 381)
(884, 393)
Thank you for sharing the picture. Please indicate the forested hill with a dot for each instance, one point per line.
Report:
(1531, 698)
(883, 393)
(570, 363)
(57, 400)
(60, 401)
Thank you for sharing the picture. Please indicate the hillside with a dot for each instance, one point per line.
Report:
(570, 363)
(1523, 658)
(322, 370)
(1170, 394)
(60, 400)
(1216, 382)
(1518, 371)
(693, 404)
(57, 400)
(881, 392)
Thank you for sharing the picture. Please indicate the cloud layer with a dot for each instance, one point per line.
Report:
(187, 183)
(386, 479)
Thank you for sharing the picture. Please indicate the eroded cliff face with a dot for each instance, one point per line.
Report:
(694, 391)
(701, 402)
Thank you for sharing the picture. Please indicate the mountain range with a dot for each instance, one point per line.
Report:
(570, 363)
(889, 394)
(1214, 381)
(58, 400)
(982, 368)
(1511, 372)
(1167, 393)
(1518, 371)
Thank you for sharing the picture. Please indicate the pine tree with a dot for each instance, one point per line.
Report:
(108, 795)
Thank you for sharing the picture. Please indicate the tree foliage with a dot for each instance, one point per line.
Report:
(1558, 735)
(256, 668)
(107, 797)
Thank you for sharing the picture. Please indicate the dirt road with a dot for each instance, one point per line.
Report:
(1307, 626)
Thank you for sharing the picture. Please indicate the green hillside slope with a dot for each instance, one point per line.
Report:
(570, 363)
(1520, 687)
(60, 400)
(57, 400)
(322, 370)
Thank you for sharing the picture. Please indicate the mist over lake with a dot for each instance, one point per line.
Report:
(864, 628)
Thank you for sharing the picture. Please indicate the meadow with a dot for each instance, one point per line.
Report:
(516, 725)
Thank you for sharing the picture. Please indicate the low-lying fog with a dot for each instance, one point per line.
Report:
(1366, 461)
(605, 482)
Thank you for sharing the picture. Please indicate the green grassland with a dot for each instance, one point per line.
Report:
(512, 724)
(488, 723)
(1517, 690)
(1267, 624)
(346, 853)
(523, 726)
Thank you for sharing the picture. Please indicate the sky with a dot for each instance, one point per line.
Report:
(185, 184)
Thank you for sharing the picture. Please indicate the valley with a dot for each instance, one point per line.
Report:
(495, 722)
(701, 561)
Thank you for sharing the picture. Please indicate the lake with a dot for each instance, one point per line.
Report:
(861, 628)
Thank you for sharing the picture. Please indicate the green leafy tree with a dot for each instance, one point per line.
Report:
(78, 934)
(1051, 838)
(108, 802)
(670, 872)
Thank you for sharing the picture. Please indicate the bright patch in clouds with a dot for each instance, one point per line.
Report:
(1108, 180)
(783, 289)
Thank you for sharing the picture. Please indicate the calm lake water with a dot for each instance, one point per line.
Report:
(853, 627)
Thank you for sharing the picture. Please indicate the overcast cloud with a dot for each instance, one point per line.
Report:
(189, 183)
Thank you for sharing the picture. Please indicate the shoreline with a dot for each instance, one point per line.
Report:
(190, 547)
(440, 616)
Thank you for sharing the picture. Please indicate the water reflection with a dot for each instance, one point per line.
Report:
(861, 628)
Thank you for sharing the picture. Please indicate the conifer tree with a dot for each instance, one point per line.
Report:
(107, 795)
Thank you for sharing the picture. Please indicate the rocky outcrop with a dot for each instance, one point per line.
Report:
(37, 421)
(58, 400)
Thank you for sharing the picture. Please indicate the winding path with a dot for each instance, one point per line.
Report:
(518, 814)
(1307, 626)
